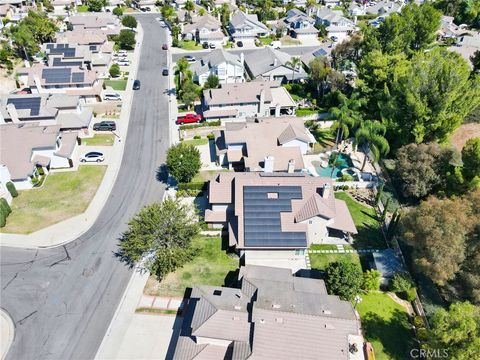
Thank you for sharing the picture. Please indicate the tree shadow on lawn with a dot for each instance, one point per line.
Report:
(374, 217)
(369, 237)
(394, 334)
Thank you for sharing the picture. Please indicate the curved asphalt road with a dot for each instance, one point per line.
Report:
(63, 299)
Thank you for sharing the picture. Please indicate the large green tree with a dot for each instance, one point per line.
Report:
(437, 231)
(183, 162)
(126, 39)
(158, 238)
(96, 5)
(420, 169)
(471, 159)
(344, 279)
(431, 99)
(129, 21)
(456, 331)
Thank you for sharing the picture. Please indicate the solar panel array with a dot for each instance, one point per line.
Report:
(261, 216)
(61, 49)
(78, 77)
(59, 62)
(59, 76)
(25, 103)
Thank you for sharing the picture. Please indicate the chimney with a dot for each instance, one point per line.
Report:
(242, 59)
(268, 164)
(12, 111)
(246, 10)
(326, 191)
(291, 166)
(275, 62)
(261, 105)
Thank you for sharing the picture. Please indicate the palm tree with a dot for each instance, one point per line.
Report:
(310, 4)
(372, 134)
(334, 161)
(189, 7)
(346, 115)
(182, 68)
(294, 63)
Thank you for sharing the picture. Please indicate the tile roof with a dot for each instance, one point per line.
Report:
(200, 22)
(286, 317)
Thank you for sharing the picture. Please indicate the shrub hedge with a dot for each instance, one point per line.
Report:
(11, 189)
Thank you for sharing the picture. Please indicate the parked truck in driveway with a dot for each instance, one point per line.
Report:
(188, 119)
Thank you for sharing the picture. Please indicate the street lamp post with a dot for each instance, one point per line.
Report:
(358, 300)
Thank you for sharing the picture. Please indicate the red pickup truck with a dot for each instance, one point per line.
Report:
(188, 119)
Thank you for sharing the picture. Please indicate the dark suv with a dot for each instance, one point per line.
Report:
(105, 126)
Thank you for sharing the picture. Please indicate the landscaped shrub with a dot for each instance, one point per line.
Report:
(403, 286)
(211, 136)
(3, 219)
(192, 186)
(197, 137)
(345, 177)
(41, 171)
(203, 124)
(418, 322)
(11, 189)
(4, 207)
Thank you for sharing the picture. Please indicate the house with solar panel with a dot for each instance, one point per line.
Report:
(270, 314)
(74, 55)
(30, 150)
(284, 141)
(273, 218)
(45, 109)
(70, 80)
(95, 39)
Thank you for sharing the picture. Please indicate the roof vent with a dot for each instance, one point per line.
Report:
(217, 292)
(279, 320)
(262, 321)
(237, 307)
(276, 306)
(329, 326)
(327, 312)
(236, 318)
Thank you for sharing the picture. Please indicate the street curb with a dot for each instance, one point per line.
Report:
(111, 168)
(6, 320)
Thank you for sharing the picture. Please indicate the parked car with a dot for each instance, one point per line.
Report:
(205, 45)
(239, 44)
(136, 85)
(122, 52)
(190, 58)
(164, 47)
(121, 62)
(165, 72)
(275, 44)
(105, 126)
(92, 156)
(112, 97)
(188, 119)
(212, 46)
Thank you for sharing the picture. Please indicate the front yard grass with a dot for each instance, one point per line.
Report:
(365, 218)
(189, 45)
(196, 142)
(99, 140)
(386, 325)
(119, 85)
(62, 196)
(212, 266)
(82, 8)
(266, 40)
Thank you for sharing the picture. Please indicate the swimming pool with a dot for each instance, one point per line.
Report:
(344, 161)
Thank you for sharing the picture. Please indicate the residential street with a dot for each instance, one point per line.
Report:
(63, 299)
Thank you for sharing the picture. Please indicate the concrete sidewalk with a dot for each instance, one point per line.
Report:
(7, 332)
(70, 229)
(134, 335)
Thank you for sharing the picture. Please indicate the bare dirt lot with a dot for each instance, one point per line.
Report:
(463, 133)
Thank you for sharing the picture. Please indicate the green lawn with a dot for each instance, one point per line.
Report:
(266, 40)
(206, 175)
(210, 267)
(386, 326)
(196, 142)
(99, 140)
(321, 261)
(365, 219)
(190, 45)
(82, 8)
(62, 196)
(119, 85)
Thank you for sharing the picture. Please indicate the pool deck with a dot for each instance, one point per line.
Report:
(347, 148)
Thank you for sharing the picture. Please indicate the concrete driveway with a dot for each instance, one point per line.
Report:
(62, 299)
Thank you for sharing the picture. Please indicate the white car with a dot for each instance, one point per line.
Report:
(112, 96)
(190, 58)
(122, 52)
(122, 62)
(92, 156)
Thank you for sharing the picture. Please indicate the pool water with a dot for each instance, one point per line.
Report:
(344, 162)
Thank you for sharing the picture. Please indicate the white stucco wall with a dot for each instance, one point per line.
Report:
(317, 229)
(298, 143)
(276, 258)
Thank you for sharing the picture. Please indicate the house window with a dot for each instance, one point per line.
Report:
(310, 221)
(299, 252)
